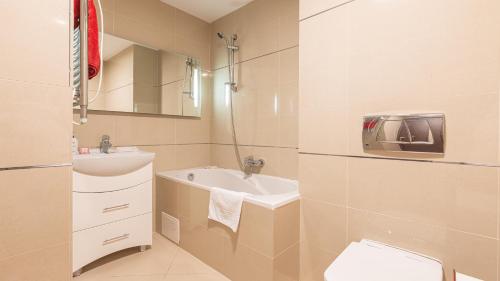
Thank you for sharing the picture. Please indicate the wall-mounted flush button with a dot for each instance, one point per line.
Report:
(409, 133)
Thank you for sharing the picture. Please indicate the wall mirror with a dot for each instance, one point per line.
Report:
(142, 79)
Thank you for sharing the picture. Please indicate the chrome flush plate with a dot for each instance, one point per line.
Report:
(420, 133)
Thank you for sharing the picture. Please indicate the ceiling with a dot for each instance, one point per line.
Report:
(207, 10)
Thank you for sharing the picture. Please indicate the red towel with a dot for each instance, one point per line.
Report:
(94, 56)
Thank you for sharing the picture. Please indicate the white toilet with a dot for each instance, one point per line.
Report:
(373, 261)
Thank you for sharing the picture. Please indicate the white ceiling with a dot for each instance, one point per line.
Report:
(207, 10)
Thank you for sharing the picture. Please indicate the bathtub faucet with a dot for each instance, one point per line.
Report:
(252, 165)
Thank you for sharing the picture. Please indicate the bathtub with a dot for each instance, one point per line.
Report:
(265, 191)
(269, 229)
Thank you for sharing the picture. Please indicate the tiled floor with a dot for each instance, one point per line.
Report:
(165, 261)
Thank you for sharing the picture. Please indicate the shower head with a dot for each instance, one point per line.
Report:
(221, 35)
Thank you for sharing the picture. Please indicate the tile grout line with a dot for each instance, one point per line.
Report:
(258, 57)
(347, 204)
(422, 222)
(36, 167)
(17, 255)
(252, 145)
(325, 11)
(405, 159)
(498, 223)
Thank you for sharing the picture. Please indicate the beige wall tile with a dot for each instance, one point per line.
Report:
(47, 24)
(323, 178)
(246, 264)
(150, 12)
(288, 30)
(223, 156)
(454, 196)
(220, 128)
(38, 122)
(205, 245)
(108, 5)
(314, 261)
(255, 103)
(90, 134)
(36, 204)
(190, 46)
(190, 156)
(323, 84)
(192, 130)
(171, 102)
(281, 162)
(262, 26)
(167, 199)
(323, 225)
(289, 162)
(186, 24)
(286, 227)
(134, 130)
(48, 264)
(289, 115)
(193, 204)
(288, 98)
(108, 17)
(287, 265)
(289, 65)
(164, 157)
(143, 33)
(256, 229)
(467, 253)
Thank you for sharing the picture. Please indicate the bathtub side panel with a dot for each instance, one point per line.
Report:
(263, 247)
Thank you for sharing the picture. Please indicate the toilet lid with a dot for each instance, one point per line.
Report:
(371, 261)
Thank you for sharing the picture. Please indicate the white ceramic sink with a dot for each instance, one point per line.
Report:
(119, 161)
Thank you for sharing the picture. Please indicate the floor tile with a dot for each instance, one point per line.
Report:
(165, 261)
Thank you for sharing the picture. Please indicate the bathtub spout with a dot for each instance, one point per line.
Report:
(253, 165)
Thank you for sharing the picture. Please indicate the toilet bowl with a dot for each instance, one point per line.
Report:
(373, 261)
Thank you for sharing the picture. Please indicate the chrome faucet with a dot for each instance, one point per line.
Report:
(105, 144)
(253, 165)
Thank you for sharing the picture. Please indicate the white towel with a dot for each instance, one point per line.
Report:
(225, 207)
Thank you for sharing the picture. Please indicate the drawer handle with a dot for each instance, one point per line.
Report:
(115, 239)
(115, 208)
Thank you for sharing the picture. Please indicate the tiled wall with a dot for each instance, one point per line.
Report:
(266, 103)
(35, 117)
(367, 56)
(178, 142)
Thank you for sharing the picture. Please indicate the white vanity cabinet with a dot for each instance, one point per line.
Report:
(112, 212)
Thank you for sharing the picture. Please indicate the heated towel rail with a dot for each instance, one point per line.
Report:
(82, 92)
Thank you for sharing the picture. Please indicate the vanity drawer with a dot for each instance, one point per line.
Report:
(94, 243)
(94, 209)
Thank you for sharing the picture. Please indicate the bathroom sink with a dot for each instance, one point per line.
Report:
(119, 161)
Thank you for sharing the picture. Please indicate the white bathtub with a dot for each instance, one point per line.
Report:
(266, 191)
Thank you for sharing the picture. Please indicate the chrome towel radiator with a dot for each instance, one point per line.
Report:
(80, 96)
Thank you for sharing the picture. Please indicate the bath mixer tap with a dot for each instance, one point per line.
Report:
(252, 164)
(105, 144)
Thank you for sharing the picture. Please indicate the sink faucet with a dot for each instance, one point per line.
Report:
(105, 144)
(251, 164)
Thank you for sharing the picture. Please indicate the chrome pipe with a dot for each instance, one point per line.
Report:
(84, 60)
